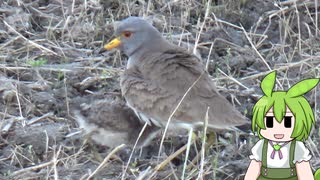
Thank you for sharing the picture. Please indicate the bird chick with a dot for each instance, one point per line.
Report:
(112, 123)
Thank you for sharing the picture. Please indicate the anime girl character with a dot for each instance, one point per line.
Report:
(283, 121)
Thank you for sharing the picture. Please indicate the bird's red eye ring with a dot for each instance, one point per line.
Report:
(127, 34)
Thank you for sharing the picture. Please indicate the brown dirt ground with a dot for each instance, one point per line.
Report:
(50, 64)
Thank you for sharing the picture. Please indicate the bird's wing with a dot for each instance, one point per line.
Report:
(145, 97)
(182, 70)
(161, 81)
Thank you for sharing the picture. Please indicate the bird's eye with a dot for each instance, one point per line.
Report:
(127, 34)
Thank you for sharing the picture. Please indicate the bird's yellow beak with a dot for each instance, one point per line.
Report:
(113, 44)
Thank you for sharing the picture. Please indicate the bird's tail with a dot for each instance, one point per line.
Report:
(317, 174)
(244, 128)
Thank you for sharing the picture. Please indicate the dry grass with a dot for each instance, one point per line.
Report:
(49, 57)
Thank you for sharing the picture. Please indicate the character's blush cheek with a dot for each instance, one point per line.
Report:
(267, 133)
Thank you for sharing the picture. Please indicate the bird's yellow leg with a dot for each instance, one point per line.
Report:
(210, 139)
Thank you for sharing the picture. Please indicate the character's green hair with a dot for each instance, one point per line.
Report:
(280, 100)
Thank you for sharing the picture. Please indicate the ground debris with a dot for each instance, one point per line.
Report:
(50, 68)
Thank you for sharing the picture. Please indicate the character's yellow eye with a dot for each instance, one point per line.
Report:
(127, 34)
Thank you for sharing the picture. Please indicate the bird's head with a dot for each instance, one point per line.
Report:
(132, 34)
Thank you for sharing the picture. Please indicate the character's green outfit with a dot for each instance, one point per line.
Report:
(278, 160)
(278, 173)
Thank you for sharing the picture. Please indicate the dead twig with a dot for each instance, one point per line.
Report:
(29, 41)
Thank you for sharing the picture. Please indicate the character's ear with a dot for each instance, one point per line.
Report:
(267, 83)
(302, 87)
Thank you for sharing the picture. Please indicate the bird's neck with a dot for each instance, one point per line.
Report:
(131, 62)
(142, 53)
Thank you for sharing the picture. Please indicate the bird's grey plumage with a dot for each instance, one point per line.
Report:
(159, 73)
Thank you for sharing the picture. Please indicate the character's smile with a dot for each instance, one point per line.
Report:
(278, 136)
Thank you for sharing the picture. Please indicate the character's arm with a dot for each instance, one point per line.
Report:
(302, 158)
(253, 171)
(304, 170)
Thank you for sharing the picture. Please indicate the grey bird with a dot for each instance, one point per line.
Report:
(158, 75)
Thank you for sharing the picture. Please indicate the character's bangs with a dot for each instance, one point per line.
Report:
(279, 109)
(304, 117)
